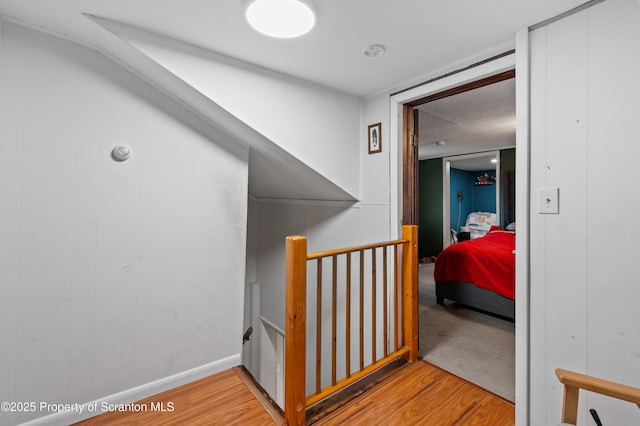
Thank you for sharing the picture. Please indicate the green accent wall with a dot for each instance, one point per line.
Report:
(508, 160)
(430, 208)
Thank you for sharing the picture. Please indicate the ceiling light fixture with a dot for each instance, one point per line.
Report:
(441, 143)
(281, 18)
(373, 50)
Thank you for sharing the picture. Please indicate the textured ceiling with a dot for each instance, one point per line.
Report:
(479, 120)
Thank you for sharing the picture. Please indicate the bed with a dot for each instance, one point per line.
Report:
(479, 273)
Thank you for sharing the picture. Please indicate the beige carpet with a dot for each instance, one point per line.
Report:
(472, 345)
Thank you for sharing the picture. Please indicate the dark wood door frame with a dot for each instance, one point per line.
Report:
(410, 141)
(410, 165)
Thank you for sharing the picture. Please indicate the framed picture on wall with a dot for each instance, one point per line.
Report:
(375, 138)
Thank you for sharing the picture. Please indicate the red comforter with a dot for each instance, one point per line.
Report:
(487, 262)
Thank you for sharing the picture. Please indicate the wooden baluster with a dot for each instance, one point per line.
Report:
(373, 306)
(384, 301)
(361, 310)
(334, 302)
(395, 298)
(319, 326)
(348, 318)
(295, 330)
(410, 290)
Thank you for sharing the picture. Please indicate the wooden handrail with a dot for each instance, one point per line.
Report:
(573, 382)
(335, 252)
(405, 345)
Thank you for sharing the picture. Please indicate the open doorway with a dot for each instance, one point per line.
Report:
(470, 123)
(471, 184)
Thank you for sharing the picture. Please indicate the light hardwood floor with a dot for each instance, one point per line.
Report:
(422, 394)
(222, 399)
(418, 394)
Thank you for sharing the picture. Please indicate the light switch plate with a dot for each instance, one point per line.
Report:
(549, 200)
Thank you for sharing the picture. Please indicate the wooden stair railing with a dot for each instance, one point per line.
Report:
(403, 314)
(573, 382)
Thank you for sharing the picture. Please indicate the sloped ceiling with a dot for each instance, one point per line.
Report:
(273, 172)
(421, 37)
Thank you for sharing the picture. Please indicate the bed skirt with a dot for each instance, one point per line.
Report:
(475, 297)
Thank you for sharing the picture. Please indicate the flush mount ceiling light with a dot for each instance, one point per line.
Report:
(373, 50)
(441, 143)
(281, 18)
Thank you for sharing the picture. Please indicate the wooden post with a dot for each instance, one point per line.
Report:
(410, 290)
(295, 331)
(570, 405)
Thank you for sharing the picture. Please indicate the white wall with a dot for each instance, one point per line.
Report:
(326, 227)
(585, 299)
(319, 126)
(114, 277)
(326, 224)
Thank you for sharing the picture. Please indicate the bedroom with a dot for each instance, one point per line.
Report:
(460, 135)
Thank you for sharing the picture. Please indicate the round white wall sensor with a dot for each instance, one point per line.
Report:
(373, 50)
(121, 153)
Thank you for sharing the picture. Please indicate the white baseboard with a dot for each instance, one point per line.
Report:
(139, 392)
